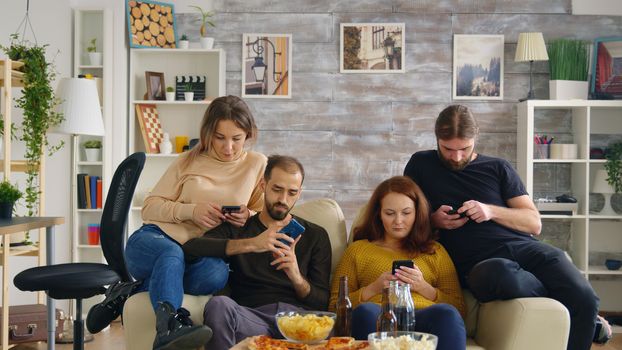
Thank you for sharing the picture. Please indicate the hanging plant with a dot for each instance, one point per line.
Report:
(38, 105)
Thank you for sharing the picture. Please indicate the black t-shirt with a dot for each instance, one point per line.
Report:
(486, 179)
(254, 282)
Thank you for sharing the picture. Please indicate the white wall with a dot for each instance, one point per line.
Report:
(597, 7)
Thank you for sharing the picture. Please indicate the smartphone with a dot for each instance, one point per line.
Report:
(293, 229)
(398, 263)
(228, 209)
(454, 211)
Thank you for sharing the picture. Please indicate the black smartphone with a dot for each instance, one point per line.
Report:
(398, 263)
(454, 211)
(293, 229)
(228, 209)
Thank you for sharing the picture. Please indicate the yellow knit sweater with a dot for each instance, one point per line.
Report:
(363, 262)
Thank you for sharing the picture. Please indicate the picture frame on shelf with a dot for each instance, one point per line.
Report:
(156, 89)
(151, 24)
(606, 80)
(150, 127)
(372, 48)
(267, 65)
(478, 67)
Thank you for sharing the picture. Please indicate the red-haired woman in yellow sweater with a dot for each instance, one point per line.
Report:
(396, 226)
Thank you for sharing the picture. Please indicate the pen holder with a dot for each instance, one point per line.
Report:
(563, 151)
(541, 151)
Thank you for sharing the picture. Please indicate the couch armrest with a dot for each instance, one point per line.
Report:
(523, 323)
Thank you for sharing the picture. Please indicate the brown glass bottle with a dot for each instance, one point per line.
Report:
(343, 326)
(387, 322)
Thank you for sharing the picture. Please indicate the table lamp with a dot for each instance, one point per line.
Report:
(80, 107)
(530, 47)
(601, 185)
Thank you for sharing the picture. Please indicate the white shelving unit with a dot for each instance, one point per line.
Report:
(178, 118)
(593, 237)
(91, 23)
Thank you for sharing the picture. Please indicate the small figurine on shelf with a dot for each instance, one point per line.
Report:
(166, 147)
(170, 93)
(183, 42)
(94, 57)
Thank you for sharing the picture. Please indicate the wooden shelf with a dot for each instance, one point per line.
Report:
(16, 76)
(18, 166)
(163, 102)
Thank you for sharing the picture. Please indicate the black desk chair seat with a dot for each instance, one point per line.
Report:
(84, 280)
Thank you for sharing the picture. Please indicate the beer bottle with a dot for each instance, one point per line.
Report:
(343, 326)
(387, 322)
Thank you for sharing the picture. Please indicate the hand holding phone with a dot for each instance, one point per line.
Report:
(454, 211)
(398, 263)
(293, 229)
(228, 209)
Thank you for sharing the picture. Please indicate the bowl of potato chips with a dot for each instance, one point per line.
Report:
(307, 327)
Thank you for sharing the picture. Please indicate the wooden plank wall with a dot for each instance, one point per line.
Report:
(352, 131)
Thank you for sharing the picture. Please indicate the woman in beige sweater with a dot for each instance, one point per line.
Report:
(186, 202)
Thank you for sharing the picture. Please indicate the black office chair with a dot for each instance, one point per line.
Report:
(84, 280)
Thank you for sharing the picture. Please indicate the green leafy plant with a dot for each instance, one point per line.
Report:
(170, 89)
(613, 165)
(13, 128)
(568, 59)
(9, 193)
(188, 87)
(38, 103)
(92, 144)
(183, 37)
(93, 45)
(205, 20)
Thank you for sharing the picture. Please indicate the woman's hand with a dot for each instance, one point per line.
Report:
(414, 277)
(238, 219)
(207, 215)
(377, 286)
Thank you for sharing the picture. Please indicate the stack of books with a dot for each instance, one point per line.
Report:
(89, 192)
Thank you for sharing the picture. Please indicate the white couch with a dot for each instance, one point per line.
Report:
(525, 323)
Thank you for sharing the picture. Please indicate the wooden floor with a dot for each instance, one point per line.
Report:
(112, 338)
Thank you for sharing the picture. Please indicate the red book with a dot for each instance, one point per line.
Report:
(99, 193)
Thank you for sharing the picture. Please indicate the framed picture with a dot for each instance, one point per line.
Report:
(151, 23)
(155, 85)
(606, 81)
(372, 48)
(150, 128)
(478, 67)
(267, 65)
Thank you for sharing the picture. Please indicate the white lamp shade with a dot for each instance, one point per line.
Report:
(600, 184)
(530, 47)
(79, 104)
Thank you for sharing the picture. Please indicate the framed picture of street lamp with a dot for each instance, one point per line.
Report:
(372, 48)
(267, 65)
(478, 67)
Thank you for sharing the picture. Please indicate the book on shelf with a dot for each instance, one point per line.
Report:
(81, 192)
(87, 191)
(99, 193)
(93, 192)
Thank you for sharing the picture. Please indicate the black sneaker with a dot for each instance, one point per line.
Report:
(602, 333)
(175, 330)
(100, 315)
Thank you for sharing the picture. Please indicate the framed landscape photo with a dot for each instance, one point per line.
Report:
(155, 85)
(606, 81)
(151, 24)
(372, 48)
(478, 67)
(267, 65)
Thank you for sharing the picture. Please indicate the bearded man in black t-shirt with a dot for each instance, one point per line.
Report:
(487, 221)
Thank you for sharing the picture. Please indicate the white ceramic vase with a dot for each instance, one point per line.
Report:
(207, 43)
(189, 96)
(568, 90)
(184, 44)
(95, 58)
(93, 154)
(170, 96)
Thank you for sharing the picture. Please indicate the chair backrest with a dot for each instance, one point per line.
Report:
(116, 208)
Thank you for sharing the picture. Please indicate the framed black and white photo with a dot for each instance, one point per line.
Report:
(267, 65)
(372, 48)
(478, 67)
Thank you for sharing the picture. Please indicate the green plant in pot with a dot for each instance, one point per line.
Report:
(170, 93)
(613, 165)
(94, 56)
(9, 194)
(92, 149)
(206, 42)
(568, 66)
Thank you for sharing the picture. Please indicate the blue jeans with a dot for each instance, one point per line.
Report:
(442, 320)
(158, 261)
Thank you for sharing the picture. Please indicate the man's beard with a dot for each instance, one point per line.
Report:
(455, 166)
(278, 215)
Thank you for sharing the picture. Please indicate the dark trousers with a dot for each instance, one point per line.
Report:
(535, 269)
(442, 320)
(232, 323)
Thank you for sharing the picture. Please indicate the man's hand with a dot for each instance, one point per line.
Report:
(238, 219)
(268, 241)
(476, 211)
(289, 264)
(441, 219)
(207, 215)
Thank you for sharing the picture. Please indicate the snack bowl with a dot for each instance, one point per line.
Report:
(402, 340)
(613, 264)
(309, 327)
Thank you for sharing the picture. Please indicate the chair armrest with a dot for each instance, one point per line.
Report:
(523, 323)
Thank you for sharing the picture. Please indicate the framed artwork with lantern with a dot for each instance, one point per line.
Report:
(267, 65)
(372, 48)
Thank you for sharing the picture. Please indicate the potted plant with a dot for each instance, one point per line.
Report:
(9, 194)
(170, 93)
(92, 149)
(568, 66)
(188, 93)
(206, 42)
(613, 165)
(94, 57)
(183, 42)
